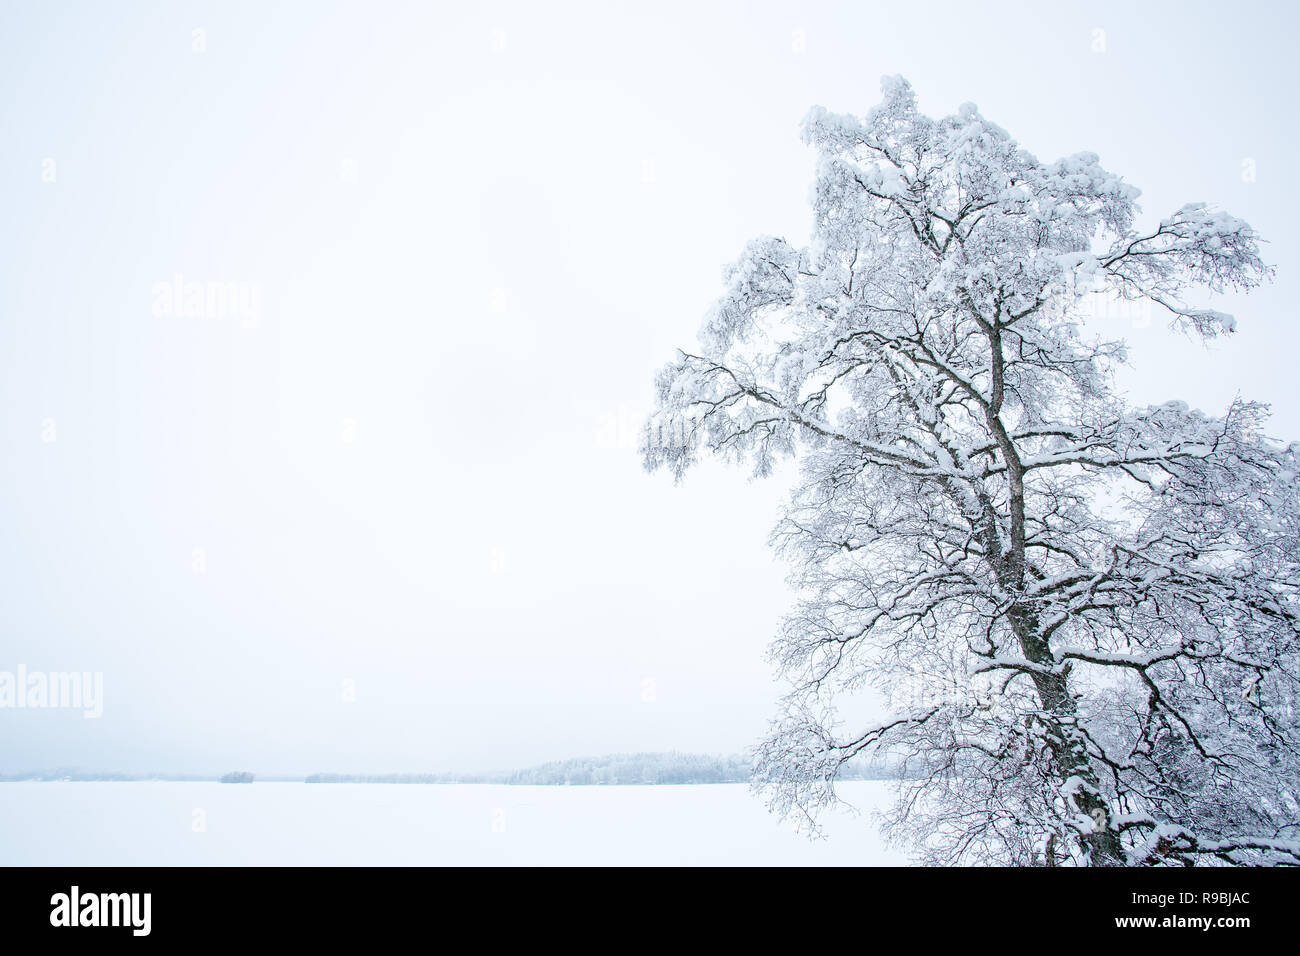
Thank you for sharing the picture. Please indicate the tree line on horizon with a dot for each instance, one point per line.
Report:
(624, 769)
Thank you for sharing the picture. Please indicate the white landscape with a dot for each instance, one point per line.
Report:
(295, 824)
(865, 391)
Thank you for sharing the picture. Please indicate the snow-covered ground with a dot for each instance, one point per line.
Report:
(180, 824)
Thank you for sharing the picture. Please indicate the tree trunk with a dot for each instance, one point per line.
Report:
(1069, 751)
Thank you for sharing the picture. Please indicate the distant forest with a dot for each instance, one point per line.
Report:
(73, 774)
(610, 770)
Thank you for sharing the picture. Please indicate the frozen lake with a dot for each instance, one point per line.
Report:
(183, 824)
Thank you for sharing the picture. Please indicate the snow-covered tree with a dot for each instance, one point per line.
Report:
(1083, 614)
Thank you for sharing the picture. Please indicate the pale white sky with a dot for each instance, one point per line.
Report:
(473, 235)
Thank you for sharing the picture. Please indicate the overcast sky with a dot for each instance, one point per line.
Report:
(390, 515)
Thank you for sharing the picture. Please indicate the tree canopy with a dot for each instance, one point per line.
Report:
(1083, 613)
